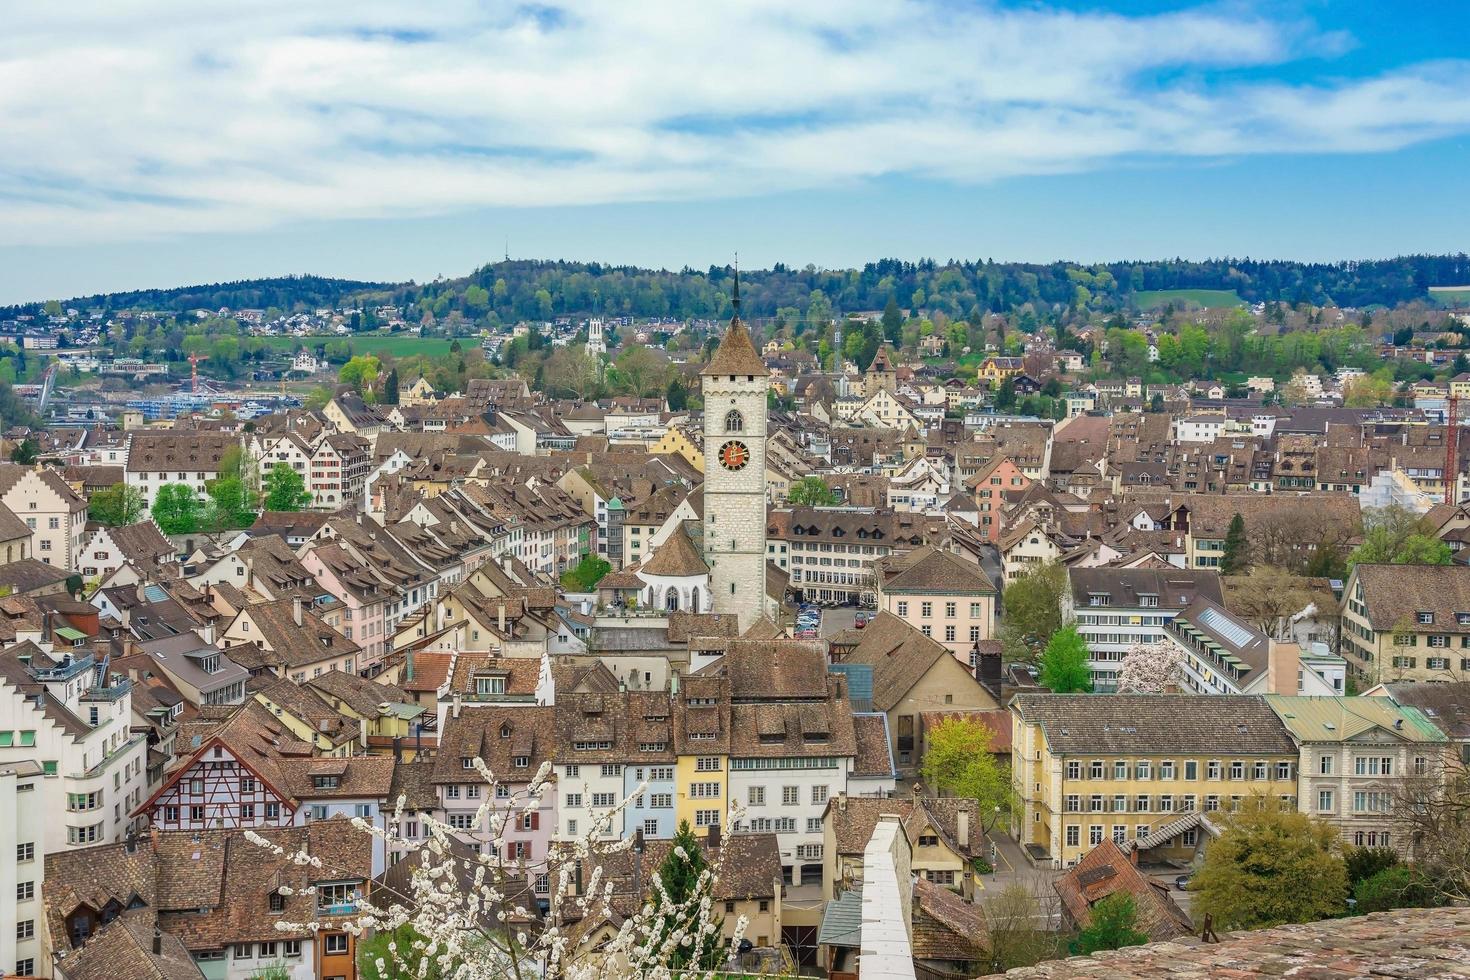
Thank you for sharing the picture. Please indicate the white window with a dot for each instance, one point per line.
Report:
(1324, 801)
(706, 818)
(756, 796)
(789, 795)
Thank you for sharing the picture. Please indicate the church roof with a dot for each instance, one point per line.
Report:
(676, 558)
(736, 354)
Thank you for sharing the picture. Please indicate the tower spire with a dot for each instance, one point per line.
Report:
(735, 298)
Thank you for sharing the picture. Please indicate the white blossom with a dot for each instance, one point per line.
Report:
(1151, 668)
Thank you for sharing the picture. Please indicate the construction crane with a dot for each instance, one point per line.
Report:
(1452, 448)
(194, 360)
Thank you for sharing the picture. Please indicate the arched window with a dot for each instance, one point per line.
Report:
(671, 600)
(734, 422)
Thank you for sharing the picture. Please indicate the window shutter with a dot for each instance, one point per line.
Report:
(535, 820)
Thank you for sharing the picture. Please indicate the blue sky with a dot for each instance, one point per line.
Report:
(169, 143)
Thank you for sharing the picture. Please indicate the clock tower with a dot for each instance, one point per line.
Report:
(734, 385)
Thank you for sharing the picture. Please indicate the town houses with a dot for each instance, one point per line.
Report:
(534, 629)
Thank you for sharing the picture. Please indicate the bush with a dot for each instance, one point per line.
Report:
(1396, 887)
(1365, 862)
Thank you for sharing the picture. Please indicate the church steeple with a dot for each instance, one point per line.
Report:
(736, 354)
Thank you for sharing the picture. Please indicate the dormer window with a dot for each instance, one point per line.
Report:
(277, 903)
(1099, 599)
(520, 761)
(466, 762)
(1426, 618)
(505, 730)
(326, 782)
(489, 685)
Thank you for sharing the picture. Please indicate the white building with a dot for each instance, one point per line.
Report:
(74, 719)
(1199, 428)
(54, 513)
(1116, 609)
(24, 812)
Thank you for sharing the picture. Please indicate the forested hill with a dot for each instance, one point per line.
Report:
(514, 290)
(287, 293)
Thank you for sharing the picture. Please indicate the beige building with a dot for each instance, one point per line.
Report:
(50, 509)
(1357, 756)
(945, 834)
(941, 595)
(911, 674)
(1407, 622)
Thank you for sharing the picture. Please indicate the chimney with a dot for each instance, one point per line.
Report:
(500, 616)
(408, 665)
(674, 682)
(296, 610)
(638, 841)
(398, 748)
(962, 828)
(157, 941)
(712, 838)
(841, 802)
(915, 789)
(456, 704)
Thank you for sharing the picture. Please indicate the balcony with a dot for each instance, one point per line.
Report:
(66, 670)
(112, 692)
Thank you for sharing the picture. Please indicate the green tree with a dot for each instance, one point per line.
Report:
(231, 504)
(1113, 924)
(681, 878)
(26, 452)
(676, 395)
(404, 953)
(390, 388)
(1032, 605)
(317, 399)
(584, 576)
(1398, 536)
(285, 489)
(1236, 558)
(1364, 862)
(176, 508)
(74, 585)
(958, 762)
(1269, 867)
(117, 506)
(361, 372)
(892, 320)
(1396, 887)
(812, 491)
(1064, 667)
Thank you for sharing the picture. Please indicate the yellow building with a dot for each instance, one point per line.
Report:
(702, 746)
(1143, 770)
(680, 440)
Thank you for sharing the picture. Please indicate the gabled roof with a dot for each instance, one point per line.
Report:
(1106, 870)
(1341, 718)
(900, 656)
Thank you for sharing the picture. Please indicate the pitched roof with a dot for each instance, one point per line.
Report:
(736, 354)
(854, 817)
(1341, 718)
(676, 558)
(1133, 724)
(1395, 595)
(945, 926)
(930, 570)
(1106, 870)
(1173, 588)
(1446, 705)
(900, 656)
(874, 755)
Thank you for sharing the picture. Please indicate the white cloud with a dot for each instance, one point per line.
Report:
(124, 121)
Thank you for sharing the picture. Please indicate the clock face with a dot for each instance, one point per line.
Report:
(734, 455)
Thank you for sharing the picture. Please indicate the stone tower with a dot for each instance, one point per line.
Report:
(734, 385)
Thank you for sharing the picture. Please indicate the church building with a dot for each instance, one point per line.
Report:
(734, 384)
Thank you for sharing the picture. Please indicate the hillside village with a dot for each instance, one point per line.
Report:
(755, 603)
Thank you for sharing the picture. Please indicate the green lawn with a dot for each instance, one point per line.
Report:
(375, 344)
(1450, 295)
(1148, 299)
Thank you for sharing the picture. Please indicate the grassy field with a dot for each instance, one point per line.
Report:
(375, 344)
(1148, 299)
(1450, 295)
